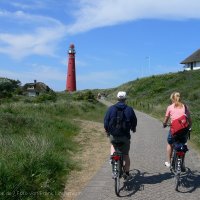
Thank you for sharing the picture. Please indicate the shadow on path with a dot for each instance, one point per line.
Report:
(190, 181)
(138, 179)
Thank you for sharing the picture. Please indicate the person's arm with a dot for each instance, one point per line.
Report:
(190, 121)
(106, 120)
(188, 115)
(133, 120)
(167, 116)
(165, 121)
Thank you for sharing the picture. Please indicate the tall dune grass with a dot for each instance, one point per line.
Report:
(36, 146)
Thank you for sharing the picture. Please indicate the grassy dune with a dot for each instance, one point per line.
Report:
(36, 145)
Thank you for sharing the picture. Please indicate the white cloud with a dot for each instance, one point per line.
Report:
(47, 73)
(95, 13)
(41, 73)
(42, 40)
(19, 17)
(39, 34)
(104, 78)
(33, 5)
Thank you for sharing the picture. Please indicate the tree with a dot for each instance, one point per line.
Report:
(8, 87)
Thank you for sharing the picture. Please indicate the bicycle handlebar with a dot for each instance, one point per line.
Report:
(189, 130)
(165, 125)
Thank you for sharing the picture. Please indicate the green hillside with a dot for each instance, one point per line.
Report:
(151, 95)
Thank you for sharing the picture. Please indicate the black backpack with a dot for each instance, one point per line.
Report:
(118, 125)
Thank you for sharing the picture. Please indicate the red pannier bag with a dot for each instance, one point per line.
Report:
(179, 125)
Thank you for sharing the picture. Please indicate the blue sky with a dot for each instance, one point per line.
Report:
(116, 41)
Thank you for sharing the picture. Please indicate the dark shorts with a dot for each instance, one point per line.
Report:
(125, 147)
(171, 140)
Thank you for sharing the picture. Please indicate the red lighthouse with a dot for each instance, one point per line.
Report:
(71, 74)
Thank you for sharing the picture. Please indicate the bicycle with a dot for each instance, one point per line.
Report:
(117, 166)
(177, 161)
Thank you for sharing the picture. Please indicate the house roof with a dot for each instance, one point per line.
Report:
(192, 58)
(38, 86)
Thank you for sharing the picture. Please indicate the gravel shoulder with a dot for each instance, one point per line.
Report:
(94, 152)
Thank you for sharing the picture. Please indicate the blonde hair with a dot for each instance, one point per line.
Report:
(176, 99)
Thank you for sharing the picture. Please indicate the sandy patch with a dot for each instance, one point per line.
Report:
(94, 152)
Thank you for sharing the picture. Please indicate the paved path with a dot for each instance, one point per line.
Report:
(150, 178)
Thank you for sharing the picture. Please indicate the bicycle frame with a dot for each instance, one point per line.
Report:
(117, 162)
(177, 161)
(117, 168)
(178, 156)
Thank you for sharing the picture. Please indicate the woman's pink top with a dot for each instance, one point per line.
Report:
(174, 112)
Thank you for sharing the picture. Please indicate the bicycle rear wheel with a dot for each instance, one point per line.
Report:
(176, 181)
(117, 185)
(178, 165)
(118, 178)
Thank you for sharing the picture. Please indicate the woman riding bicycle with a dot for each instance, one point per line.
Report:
(174, 111)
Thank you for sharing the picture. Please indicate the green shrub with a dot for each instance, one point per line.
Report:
(8, 87)
(47, 96)
(87, 95)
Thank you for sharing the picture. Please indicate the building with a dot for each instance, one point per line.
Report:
(71, 73)
(35, 88)
(192, 62)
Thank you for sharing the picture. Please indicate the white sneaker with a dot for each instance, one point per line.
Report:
(167, 164)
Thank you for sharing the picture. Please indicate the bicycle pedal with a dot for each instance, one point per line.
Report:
(114, 176)
(126, 177)
(183, 169)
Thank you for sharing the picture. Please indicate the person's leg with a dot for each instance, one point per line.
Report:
(169, 149)
(184, 141)
(125, 150)
(112, 150)
(127, 163)
(169, 152)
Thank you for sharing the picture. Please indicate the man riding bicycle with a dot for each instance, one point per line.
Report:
(120, 132)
